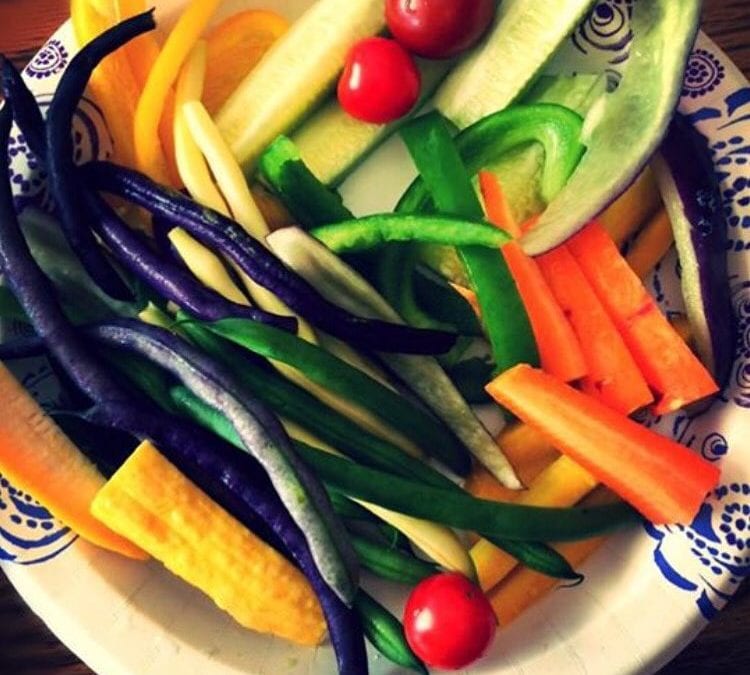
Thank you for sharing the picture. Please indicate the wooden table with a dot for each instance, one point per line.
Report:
(26, 646)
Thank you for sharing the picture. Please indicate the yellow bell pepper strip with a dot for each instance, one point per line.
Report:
(664, 480)
(526, 449)
(563, 483)
(113, 85)
(150, 502)
(151, 104)
(38, 458)
(191, 165)
(235, 47)
(524, 586)
(638, 203)
(651, 245)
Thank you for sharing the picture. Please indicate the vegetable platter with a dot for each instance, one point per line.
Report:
(257, 262)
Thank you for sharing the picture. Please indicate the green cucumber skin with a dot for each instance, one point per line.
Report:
(333, 144)
(625, 130)
(523, 39)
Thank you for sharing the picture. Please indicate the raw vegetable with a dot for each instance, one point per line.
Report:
(332, 143)
(651, 245)
(556, 128)
(112, 84)
(163, 75)
(150, 502)
(62, 177)
(295, 74)
(333, 278)
(685, 174)
(496, 204)
(170, 280)
(389, 563)
(26, 111)
(362, 234)
(559, 350)
(508, 521)
(613, 375)
(235, 47)
(215, 230)
(329, 371)
(37, 458)
(527, 449)
(380, 83)
(444, 174)
(562, 483)
(438, 30)
(142, 51)
(673, 372)
(448, 622)
(628, 126)
(523, 38)
(665, 481)
(385, 632)
(442, 302)
(624, 217)
(309, 201)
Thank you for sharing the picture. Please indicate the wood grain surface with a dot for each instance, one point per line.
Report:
(28, 648)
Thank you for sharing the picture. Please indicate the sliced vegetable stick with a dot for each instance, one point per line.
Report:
(38, 458)
(613, 375)
(562, 483)
(142, 51)
(112, 85)
(651, 245)
(496, 204)
(191, 164)
(528, 450)
(672, 371)
(638, 203)
(184, 35)
(681, 324)
(151, 502)
(235, 46)
(664, 480)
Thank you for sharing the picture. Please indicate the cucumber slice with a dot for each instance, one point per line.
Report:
(625, 129)
(524, 37)
(295, 74)
(332, 143)
(577, 92)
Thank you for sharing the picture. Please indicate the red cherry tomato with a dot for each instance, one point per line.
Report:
(380, 82)
(438, 29)
(448, 621)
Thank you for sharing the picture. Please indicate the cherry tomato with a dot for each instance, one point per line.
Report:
(449, 623)
(438, 29)
(380, 82)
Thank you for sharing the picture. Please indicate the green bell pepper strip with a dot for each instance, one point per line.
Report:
(329, 371)
(391, 564)
(556, 128)
(446, 179)
(308, 200)
(385, 632)
(512, 522)
(296, 404)
(362, 234)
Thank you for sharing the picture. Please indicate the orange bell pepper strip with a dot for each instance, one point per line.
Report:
(38, 458)
(662, 479)
(559, 350)
(613, 375)
(234, 48)
(674, 373)
(153, 101)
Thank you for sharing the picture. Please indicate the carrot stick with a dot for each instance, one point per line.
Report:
(38, 458)
(613, 375)
(496, 204)
(662, 479)
(673, 372)
(651, 244)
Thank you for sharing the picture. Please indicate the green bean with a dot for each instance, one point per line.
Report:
(389, 564)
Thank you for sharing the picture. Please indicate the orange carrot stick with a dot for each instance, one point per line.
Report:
(664, 480)
(496, 204)
(613, 376)
(672, 371)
